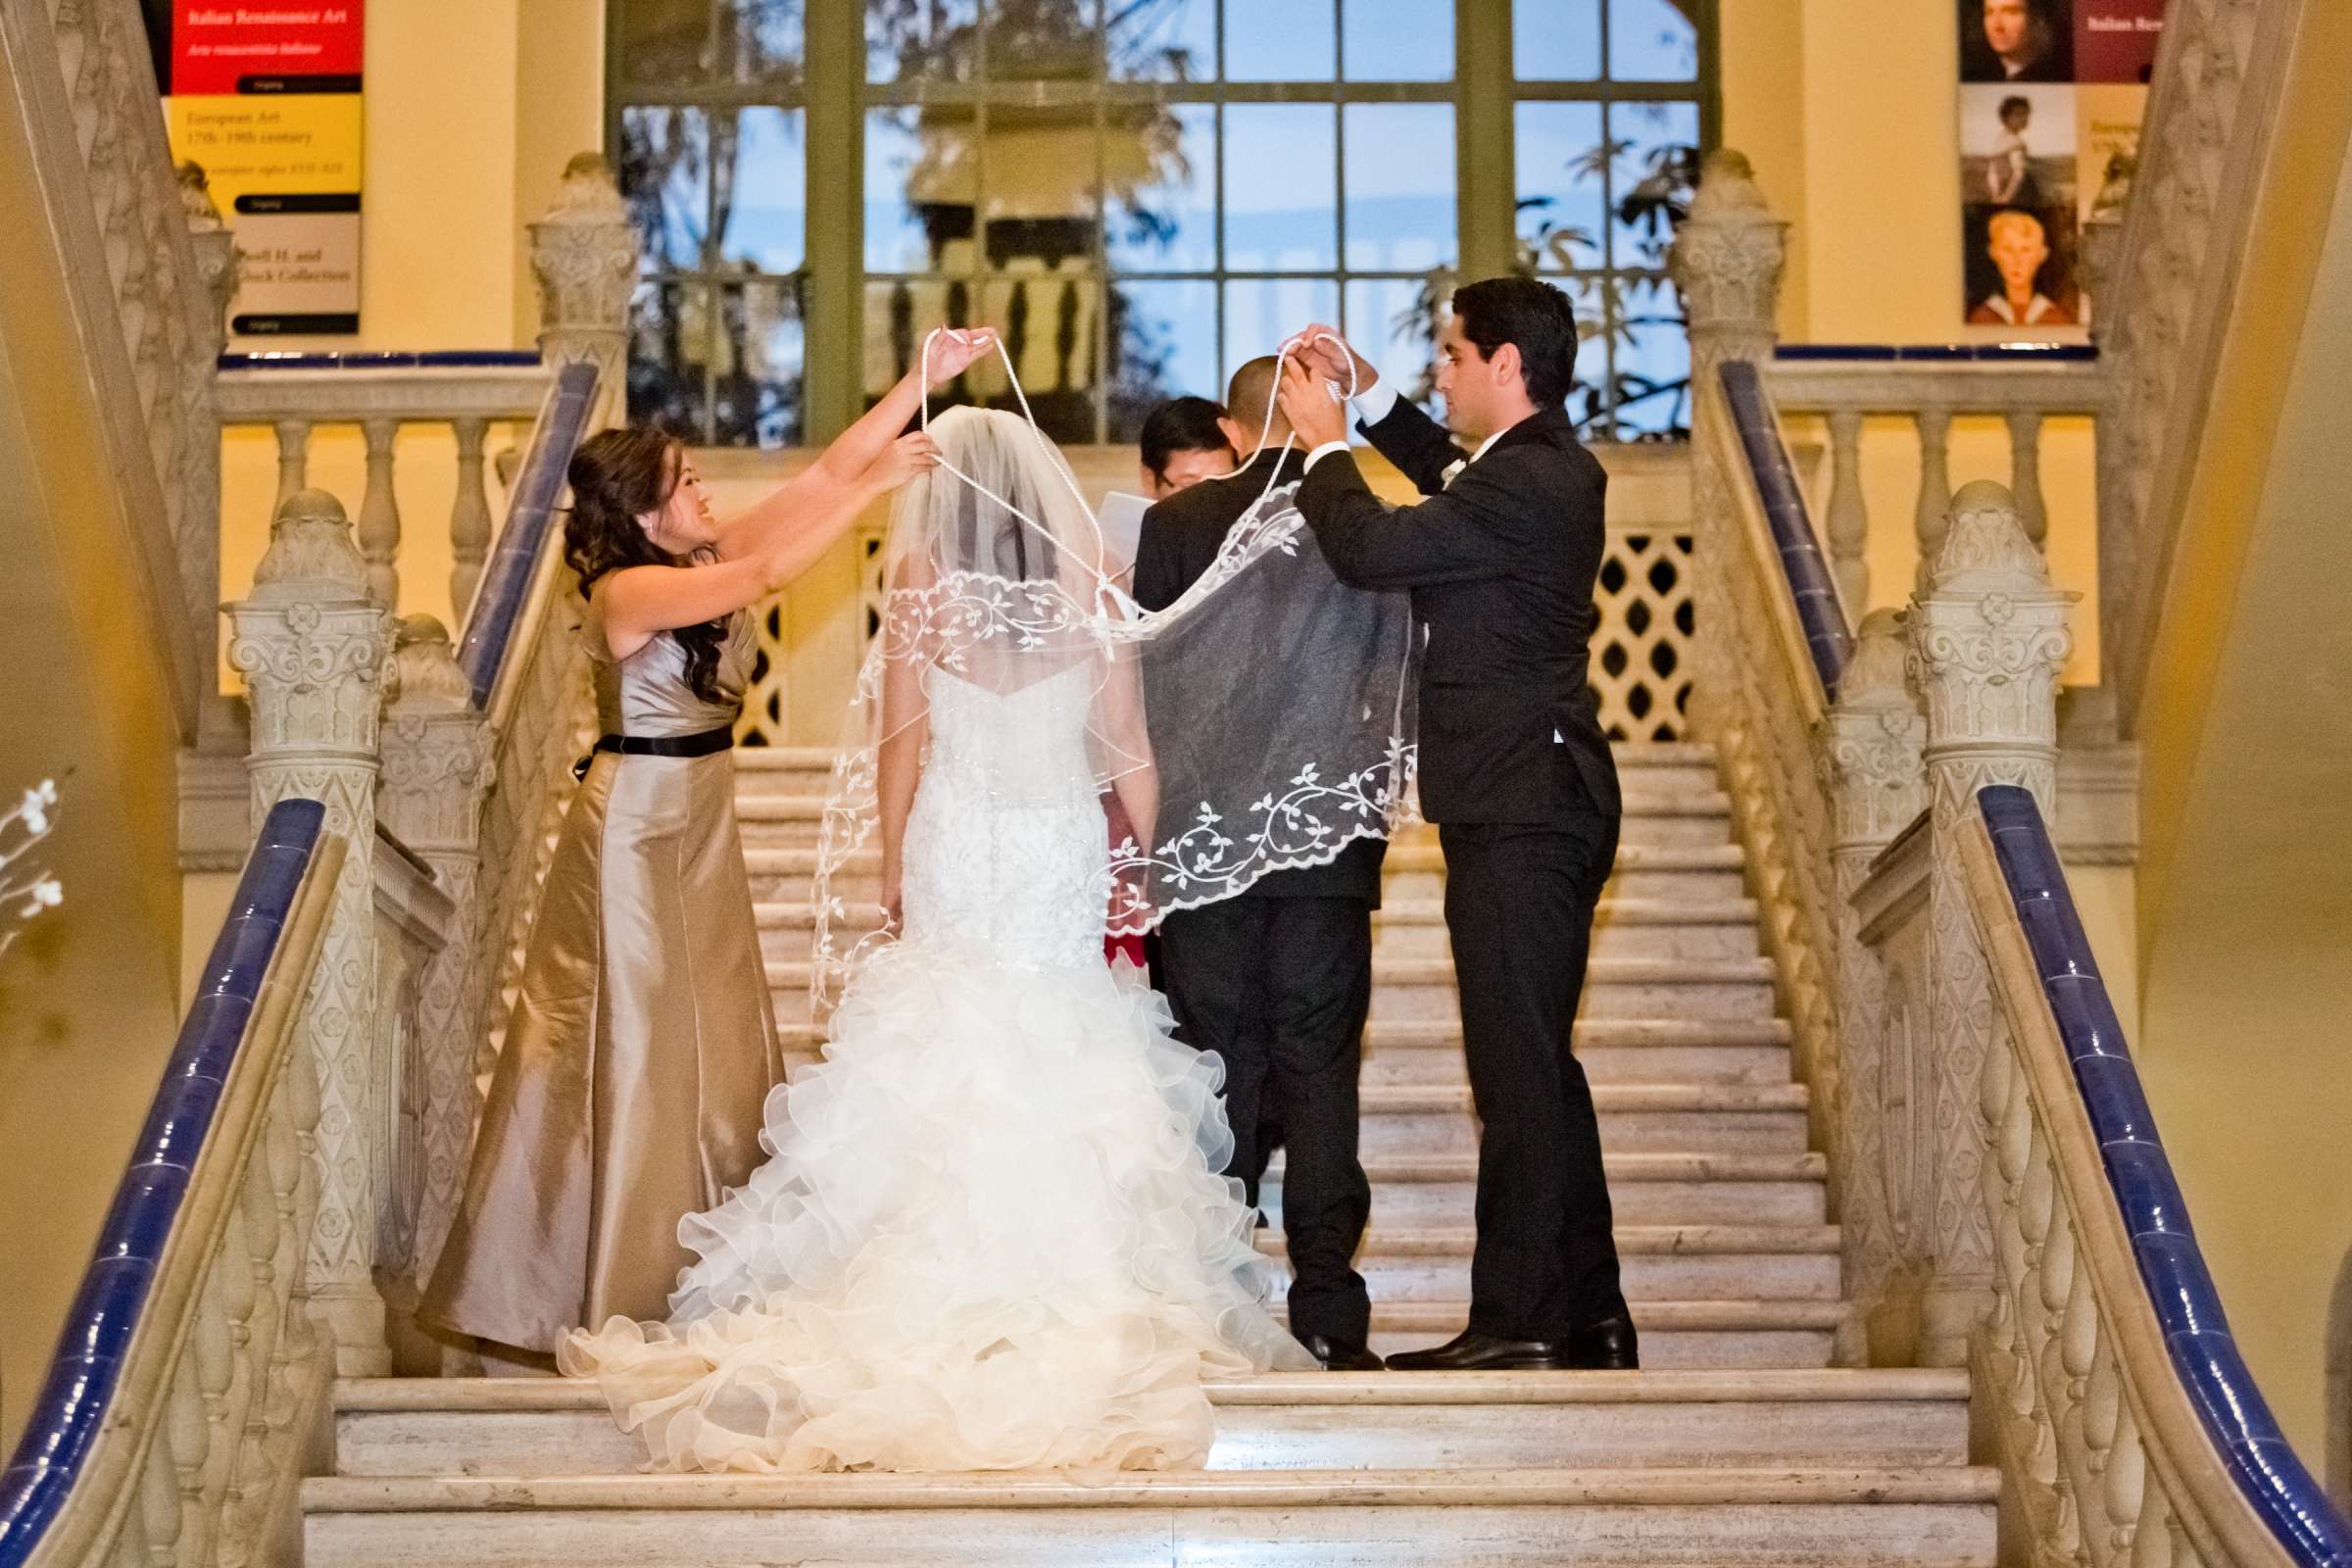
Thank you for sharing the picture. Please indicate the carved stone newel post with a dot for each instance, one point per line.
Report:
(200, 507)
(1870, 769)
(584, 254)
(1988, 637)
(1725, 262)
(437, 769)
(311, 644)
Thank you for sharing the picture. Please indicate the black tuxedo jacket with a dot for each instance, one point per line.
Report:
(1502, 567)
(1179, 539)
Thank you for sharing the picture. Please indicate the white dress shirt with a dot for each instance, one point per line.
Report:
(1371, 406)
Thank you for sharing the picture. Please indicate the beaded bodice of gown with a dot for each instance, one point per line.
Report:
(1005, 845)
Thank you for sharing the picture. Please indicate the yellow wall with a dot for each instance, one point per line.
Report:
(2245, 900)
(86, 997)
(467, 138)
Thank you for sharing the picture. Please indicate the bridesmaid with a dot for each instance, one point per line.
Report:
(643, 1043)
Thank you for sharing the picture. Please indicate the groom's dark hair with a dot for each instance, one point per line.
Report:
(1534, 318)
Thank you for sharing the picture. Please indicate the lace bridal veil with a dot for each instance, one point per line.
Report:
(1262, 722)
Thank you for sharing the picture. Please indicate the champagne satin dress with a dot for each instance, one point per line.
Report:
(643, 1043)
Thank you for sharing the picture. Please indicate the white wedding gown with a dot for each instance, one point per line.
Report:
(992, 1234)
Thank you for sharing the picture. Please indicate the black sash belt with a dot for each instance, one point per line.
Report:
(702, 744)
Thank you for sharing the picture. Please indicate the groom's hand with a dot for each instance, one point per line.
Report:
(1308, 403)
(1336, 360)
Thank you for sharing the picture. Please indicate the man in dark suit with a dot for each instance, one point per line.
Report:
(1276, 980)
(1514, 768)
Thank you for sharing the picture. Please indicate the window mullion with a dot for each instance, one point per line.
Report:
(832, 337)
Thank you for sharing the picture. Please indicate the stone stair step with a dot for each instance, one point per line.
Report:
(1657, 1262)
(1440, 1190)
(1634, 1119)
(1614, 988)
(1428, 1050)
(1408, 929)
(1926, 1517)
(1622, 928)
(1761, 1334)
(523, 1427)
(773, 817)
(1414, 871)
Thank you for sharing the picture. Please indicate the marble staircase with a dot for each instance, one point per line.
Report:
(1736, 1444)
(1722, 1211)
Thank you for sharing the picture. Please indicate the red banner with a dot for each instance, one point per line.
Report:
(255, 47)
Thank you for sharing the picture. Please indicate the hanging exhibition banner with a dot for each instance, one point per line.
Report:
(2051, 97)
(265, 96)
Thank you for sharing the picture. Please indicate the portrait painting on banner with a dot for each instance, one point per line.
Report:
(2051, 97)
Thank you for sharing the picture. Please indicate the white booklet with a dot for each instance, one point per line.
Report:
(1122, 516)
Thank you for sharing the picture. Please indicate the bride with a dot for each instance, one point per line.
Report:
(993, 1232)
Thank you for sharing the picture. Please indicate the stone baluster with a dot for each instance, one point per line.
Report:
(584, 254)
(1868, 750)
(2025, 471)
(293, 459)
(470, 518)
(310, 641)
(380, 513)
(1988, 636)
(437, 770)
(1725, 263)
(1935, 483)
(1848, 517)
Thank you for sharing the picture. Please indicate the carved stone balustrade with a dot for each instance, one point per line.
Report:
(1870, 746)
(312, 643)
(1929, 388)
(384, 395)
(1988, 636)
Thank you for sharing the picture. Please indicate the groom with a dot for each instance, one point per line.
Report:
(1514, 768)
(1276, 980)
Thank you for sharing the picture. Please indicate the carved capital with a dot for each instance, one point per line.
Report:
(1871, 743)
(309, 641)
(436, 747)
(584, 254)
(1989, 635)
(1726, 261)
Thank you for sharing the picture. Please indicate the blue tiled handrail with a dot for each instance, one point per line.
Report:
(514, 559)
(1826, 636)
(72, 1406)
(1935, 352)
(2204, 1354)
(378, 360)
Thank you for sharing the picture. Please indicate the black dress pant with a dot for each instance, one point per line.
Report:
(1519, 903)
(1278, 988)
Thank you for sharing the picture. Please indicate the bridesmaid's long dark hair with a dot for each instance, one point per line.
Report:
(616, 476)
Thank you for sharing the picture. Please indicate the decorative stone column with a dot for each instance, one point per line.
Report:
(1988, 637)
(218, 729)
(1726, 263)
(437, 770)
(311, 645)
(1869, 752)
(584, 254)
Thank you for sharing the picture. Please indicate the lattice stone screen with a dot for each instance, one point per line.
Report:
(1641, 664)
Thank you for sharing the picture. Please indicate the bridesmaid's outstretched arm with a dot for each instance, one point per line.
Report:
(642, 601)
(856, 450)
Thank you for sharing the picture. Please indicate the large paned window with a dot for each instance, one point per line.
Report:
(1141, 194)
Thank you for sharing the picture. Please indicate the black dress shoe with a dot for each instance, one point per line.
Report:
(1337, 1356)
(1473, 1351)
(1608, 1346)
